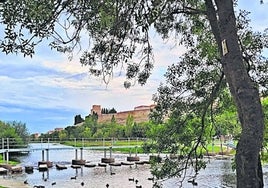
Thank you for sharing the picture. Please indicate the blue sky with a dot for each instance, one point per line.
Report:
(48, 90)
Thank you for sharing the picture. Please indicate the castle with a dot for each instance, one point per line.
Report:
(139, 114)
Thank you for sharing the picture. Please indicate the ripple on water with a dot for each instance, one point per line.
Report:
(217, 174)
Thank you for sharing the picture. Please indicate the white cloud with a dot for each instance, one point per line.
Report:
(70, 67)
(50, 81)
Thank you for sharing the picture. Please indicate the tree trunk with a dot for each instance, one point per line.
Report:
(246, 95)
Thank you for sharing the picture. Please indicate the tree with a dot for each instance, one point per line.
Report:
(112, 111)
(139, 130)
(21, 130)
(91, 122)
(72, 131)
(108, 111)
(118, 29)
(86, 133)
(245, 93)
(191, 92)
(63, 135)
(225, 116)
(129, 125)
(16, 132)
(78, 119)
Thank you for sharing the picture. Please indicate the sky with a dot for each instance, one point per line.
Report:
(46, 91)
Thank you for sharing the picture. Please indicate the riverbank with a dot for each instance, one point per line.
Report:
(11, 183)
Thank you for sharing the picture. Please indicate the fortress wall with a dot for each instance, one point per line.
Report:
(105, 117)
(121, 117)
(141, 115)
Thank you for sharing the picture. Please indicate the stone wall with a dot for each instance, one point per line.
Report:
(140, 114)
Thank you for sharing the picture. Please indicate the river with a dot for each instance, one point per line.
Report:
(218, 173)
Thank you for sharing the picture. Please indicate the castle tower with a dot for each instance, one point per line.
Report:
(96, 109)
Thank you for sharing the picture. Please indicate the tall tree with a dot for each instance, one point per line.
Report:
(119, 28)
(129, 125)
(245, 93)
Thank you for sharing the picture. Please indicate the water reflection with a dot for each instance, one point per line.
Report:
(117, 177)
(228, 175)
(218, 173)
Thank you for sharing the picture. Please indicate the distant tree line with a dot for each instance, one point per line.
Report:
(16, 132)
(108, 111)
(78, 119)
(92, 129)
(225, 123)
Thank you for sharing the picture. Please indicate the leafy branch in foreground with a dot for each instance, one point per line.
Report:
(197, 88)
(115, 31)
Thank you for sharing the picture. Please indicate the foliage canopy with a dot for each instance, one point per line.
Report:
(117, 30)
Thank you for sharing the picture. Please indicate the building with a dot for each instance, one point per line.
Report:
(55, 130)
(139, 114)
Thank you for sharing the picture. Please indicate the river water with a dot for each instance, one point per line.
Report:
(217, 174)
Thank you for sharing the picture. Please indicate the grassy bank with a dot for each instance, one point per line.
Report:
(105, 143)
(218, 149)
(129, 145)
(215, 149)
(9, 162)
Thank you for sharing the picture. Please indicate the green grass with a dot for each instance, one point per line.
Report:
(108, 143)
(10, 162)
(103, 143)
(216, 149)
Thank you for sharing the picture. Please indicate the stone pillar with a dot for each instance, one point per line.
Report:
(47, 150)
(7, 156)
(76, 154)
(43, 155)
(110, 152)
(104, 152)
(77, 161)
(81, 153)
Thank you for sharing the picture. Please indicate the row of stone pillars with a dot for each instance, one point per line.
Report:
(106, 159)
(81, 154)
(47, 162)
(77, 161)
(136, 152)
(81, 161)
